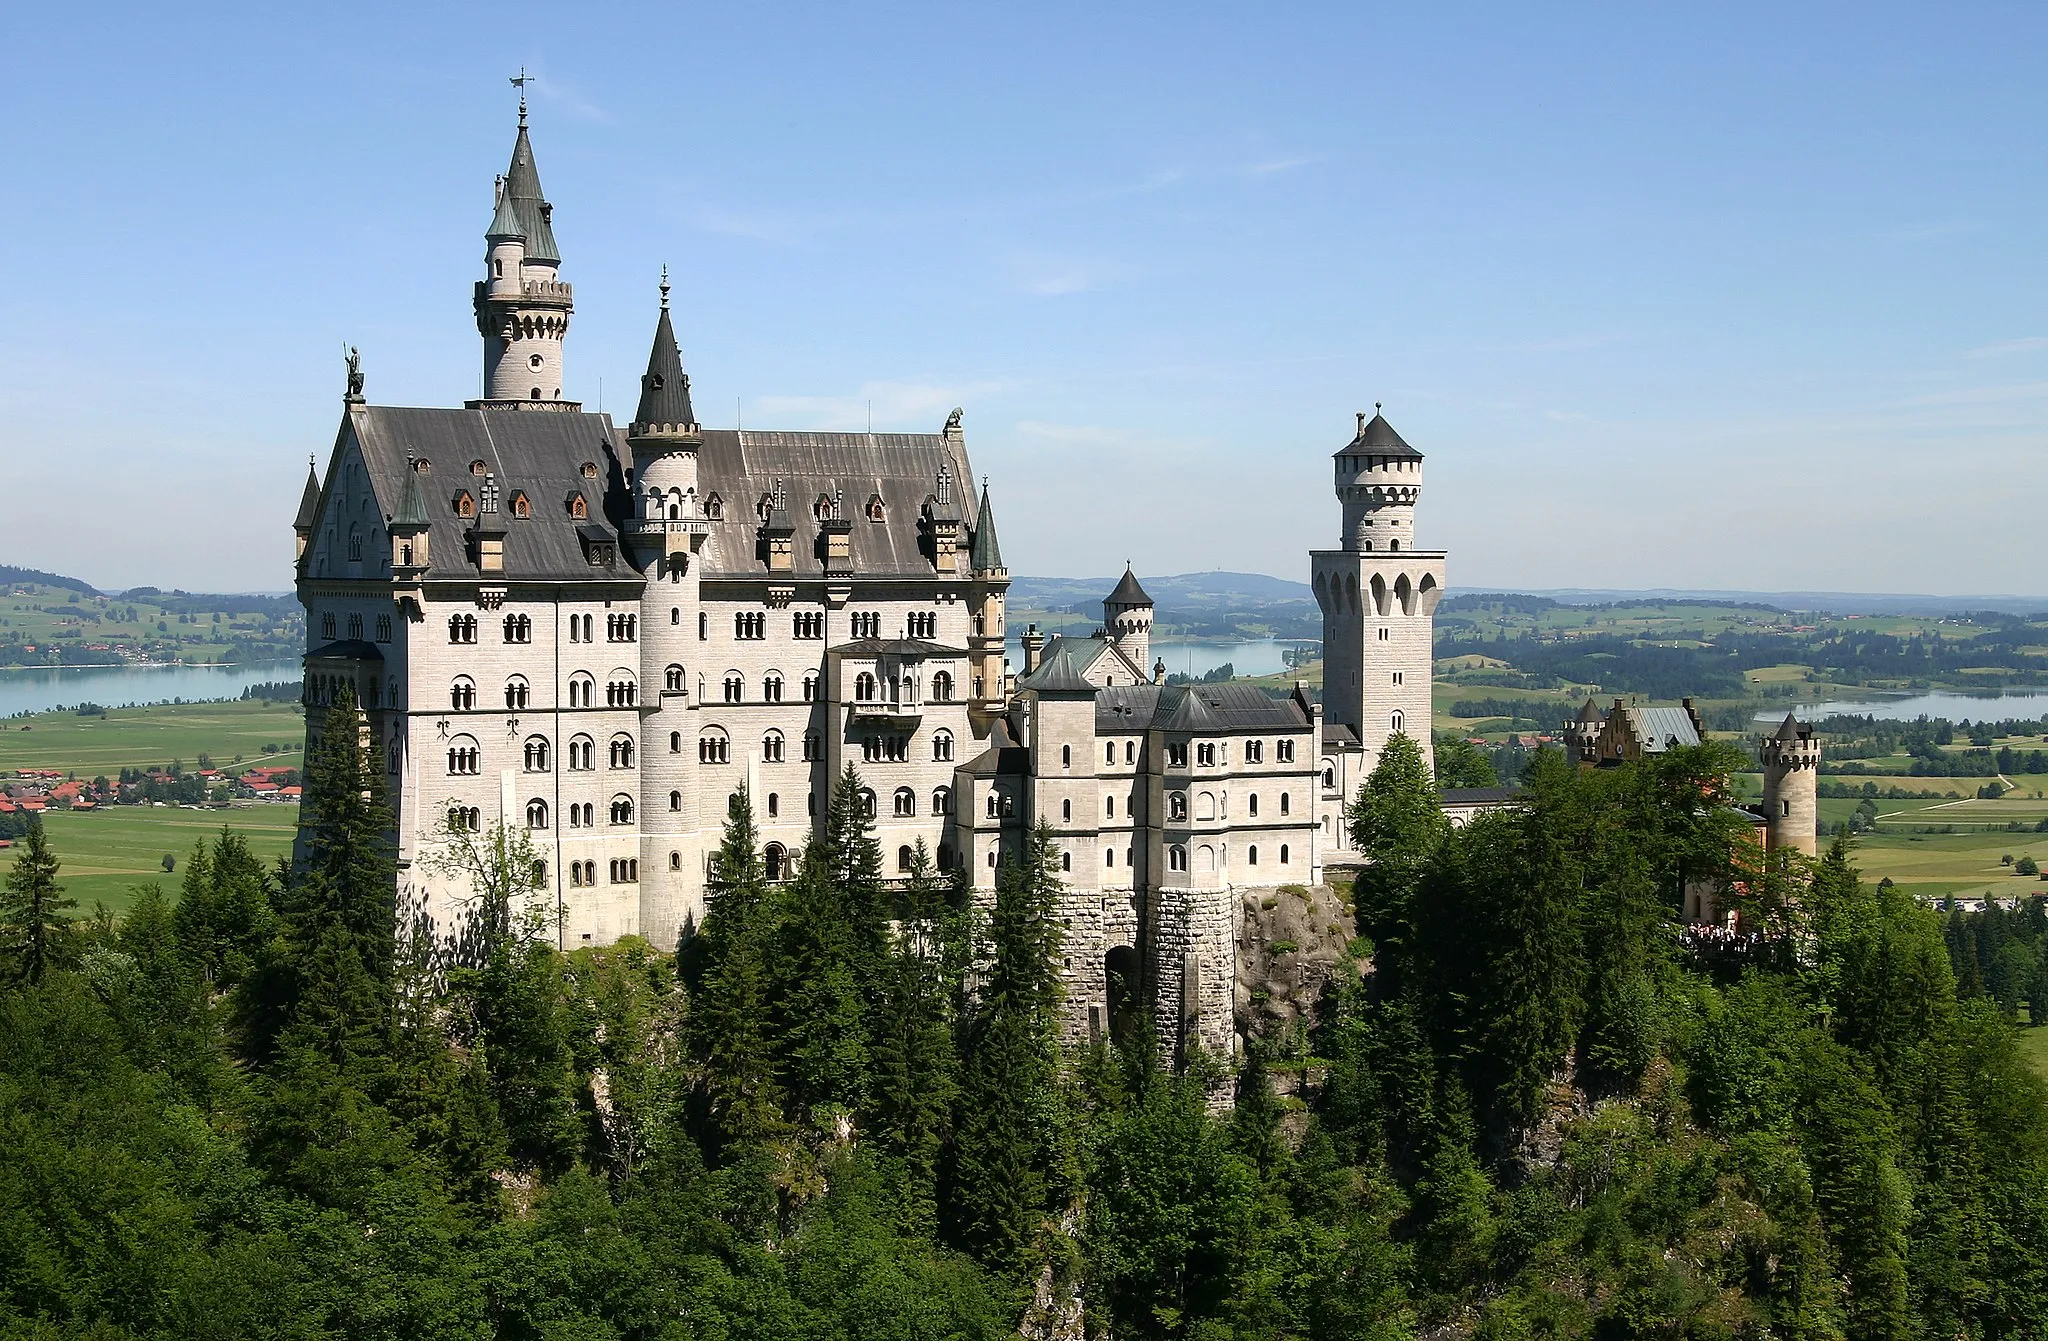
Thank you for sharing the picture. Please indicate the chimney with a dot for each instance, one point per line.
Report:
(1034, 648)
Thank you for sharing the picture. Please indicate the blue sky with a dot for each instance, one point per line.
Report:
(1739, 297)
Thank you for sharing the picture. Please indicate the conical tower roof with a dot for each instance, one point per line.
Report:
(665, 389)
(412, 504)
(309, 501)
(527, 205)
(1128, 592)
(985, 553)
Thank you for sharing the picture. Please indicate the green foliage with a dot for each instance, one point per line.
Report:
(844, 1108)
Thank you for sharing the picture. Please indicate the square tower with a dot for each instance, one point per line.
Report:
(1378, 595)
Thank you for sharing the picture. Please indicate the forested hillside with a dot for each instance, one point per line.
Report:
(1530, 1106)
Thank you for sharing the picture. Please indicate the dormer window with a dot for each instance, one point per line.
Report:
(465, 506)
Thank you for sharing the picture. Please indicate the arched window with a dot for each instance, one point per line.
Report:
(672, 679)
(942, 800)
(864, 688)
(582, 754)
(516, 692)
(622, 751)
(675, 800)
(1176, 859)
(942, 746)
(1177, 807)
(905, 859)
(906, 802)
(942, 687)
(735, 687)
(536, 754)
(462, 694)
(622, 809)
(463, 757)
(771, 747)
(536, 814)
(771, 687)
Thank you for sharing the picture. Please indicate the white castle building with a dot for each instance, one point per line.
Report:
(600, 636)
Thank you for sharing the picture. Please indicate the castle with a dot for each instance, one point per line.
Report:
(600, 636)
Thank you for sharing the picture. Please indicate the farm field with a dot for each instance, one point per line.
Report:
(106, 853)
(152, 737)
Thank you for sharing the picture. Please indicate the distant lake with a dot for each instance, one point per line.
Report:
(1955, 707)
(40, 688)
(1258, 656)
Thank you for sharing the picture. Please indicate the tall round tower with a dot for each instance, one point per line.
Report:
(522, 305)
(664, 535)
(1791, 760)
(1127, 619)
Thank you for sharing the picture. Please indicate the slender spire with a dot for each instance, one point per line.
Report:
(309, 501)
(521, 202)
(665, 389)
(985, 553)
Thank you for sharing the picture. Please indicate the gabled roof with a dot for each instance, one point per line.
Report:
(309, 501)
(1378, 438)
(1128, 592)
(665, 389)
(522, 196)
(985, 553)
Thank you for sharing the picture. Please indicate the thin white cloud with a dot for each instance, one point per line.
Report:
(2026, 344)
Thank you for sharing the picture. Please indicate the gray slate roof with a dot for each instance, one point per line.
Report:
(1662, 727)
(1379, 439)
(309, 501)
(539, 454)
(1128, 592)
(1219, 708)
(530, 208)
(1063, 669)
(742, 465)
(985, 553)
(665, 388)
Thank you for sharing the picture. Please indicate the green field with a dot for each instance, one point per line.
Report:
(106, 853)
(153, 737)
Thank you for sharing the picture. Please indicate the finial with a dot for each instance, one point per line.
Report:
(520, 81)
(664, 288)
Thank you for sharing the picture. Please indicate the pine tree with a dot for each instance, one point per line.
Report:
(730, 1018)
(35, 924)
(1396, 824)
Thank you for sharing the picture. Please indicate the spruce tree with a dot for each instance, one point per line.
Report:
(730, 1017)
(35, 923)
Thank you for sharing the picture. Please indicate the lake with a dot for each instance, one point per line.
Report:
(1258, 656)
(41, 688)
(1955, 707)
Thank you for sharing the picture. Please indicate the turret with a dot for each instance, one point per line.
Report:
(1791, 762)
(1127, 619)
(1379, 477)
(522, 307)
